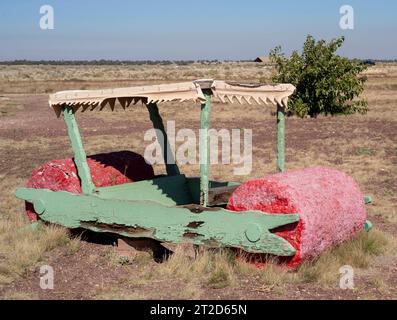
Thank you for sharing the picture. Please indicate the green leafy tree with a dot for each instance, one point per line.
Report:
(326, 83)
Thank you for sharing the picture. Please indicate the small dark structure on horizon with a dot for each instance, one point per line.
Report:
(262, 59)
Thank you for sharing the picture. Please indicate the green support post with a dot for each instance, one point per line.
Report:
(280, 138)
(80, 157)
(205, 118)
(169, 160)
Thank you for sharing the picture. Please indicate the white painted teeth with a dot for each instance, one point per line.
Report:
(185, 91)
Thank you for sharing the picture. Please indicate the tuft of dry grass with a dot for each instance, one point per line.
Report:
(21, 247)
(357, 253)
(212, 267)
(220, 269)
(271, 274)
(73, 245)
(21, 250)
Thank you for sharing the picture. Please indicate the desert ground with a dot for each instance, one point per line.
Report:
(87, 266)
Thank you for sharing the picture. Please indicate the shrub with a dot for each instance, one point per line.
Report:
(326, 83)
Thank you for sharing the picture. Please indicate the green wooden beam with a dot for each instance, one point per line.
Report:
(168, 191)
(169, 160)
(80, 157)
(280, 138)
(248, 230)
(205, 119)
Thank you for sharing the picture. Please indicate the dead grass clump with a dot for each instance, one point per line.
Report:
(357, 253)
(221, 269)
(20, 250)
(215, 268)
(271, 274)
(73, 245)
(190, 291)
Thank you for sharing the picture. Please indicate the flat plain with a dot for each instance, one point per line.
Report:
(88, 267)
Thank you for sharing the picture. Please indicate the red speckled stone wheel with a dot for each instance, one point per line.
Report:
(329, 203)
(107, 169)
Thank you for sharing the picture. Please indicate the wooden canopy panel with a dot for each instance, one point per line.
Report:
(91, 99)
(267, 94)
(224, 91)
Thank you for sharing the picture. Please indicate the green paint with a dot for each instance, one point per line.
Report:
(368, 199)
(280, 138)
(247, 230)
(169, 191)
(194, 187)
(169, 160)
(205, 118)
(39, 207)
(367, 225)
(80, 158)
(253, 232)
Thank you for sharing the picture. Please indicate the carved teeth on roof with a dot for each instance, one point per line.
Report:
(222, 98)
(256, 100)
(264, 100)
(247, 99)
(224, 91)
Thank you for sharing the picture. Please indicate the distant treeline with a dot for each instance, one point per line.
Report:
(109, 62)
(103, 62)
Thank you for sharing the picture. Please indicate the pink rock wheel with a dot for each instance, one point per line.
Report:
(107, 169)
(329, 203)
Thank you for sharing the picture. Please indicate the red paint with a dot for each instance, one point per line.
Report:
(329, 203)
(106, 170)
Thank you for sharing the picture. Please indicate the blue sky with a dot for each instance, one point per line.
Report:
(177, 29)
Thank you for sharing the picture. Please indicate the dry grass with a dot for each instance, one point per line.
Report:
(215, 268)
(218, 269)
(73, 245)
(9, 106)
(21, 250)
(16, 295)
(357, 253)
(368, 156)
(46, 79)
(20, 247)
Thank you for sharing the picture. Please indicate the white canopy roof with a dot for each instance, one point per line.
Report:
(222, 90)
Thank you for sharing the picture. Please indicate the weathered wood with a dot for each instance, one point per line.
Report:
(205, 118)
(98, 99)
(194, 187)
(249, 230)
(193, 90)
(280, 138)
(168, 190)
(80, 157)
